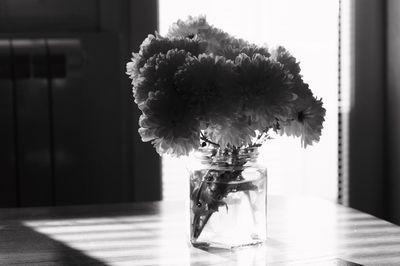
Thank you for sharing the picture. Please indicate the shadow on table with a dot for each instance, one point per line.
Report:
(22, 242)
(23, 245)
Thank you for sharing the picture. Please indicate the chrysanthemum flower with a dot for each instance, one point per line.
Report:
(262, 79)
(168, 124)
(307, 124)
(201, 79)
(154, 45)
(158, 73)
(265, 88)
(198, 28)
(206, 83)
(188, 28)
(231, 52)
(132, 68)
(283, 56)
(234, 131)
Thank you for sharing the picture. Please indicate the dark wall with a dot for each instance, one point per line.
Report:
(67, 118)
(367, 149)
(374, 145)
(393, 109)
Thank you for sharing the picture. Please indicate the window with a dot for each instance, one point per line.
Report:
(309, 30)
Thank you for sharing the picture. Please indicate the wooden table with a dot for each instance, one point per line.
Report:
(301, 232)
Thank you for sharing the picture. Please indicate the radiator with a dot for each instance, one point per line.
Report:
(60, 121)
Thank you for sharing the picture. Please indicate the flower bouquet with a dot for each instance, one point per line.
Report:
(202, 91)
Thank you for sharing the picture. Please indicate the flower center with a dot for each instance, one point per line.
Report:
(300, 116)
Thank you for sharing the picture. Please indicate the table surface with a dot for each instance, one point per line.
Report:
(301, 231)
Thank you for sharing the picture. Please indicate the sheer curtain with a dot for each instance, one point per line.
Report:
(309, 30)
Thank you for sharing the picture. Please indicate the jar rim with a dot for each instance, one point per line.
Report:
(243, 151)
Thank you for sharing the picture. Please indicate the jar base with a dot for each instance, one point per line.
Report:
(217, 245)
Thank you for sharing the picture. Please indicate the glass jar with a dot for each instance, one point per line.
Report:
(228, 198)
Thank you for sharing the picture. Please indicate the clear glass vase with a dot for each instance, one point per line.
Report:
(228, 198)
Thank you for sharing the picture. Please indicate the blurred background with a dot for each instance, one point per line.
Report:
(68, 123)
